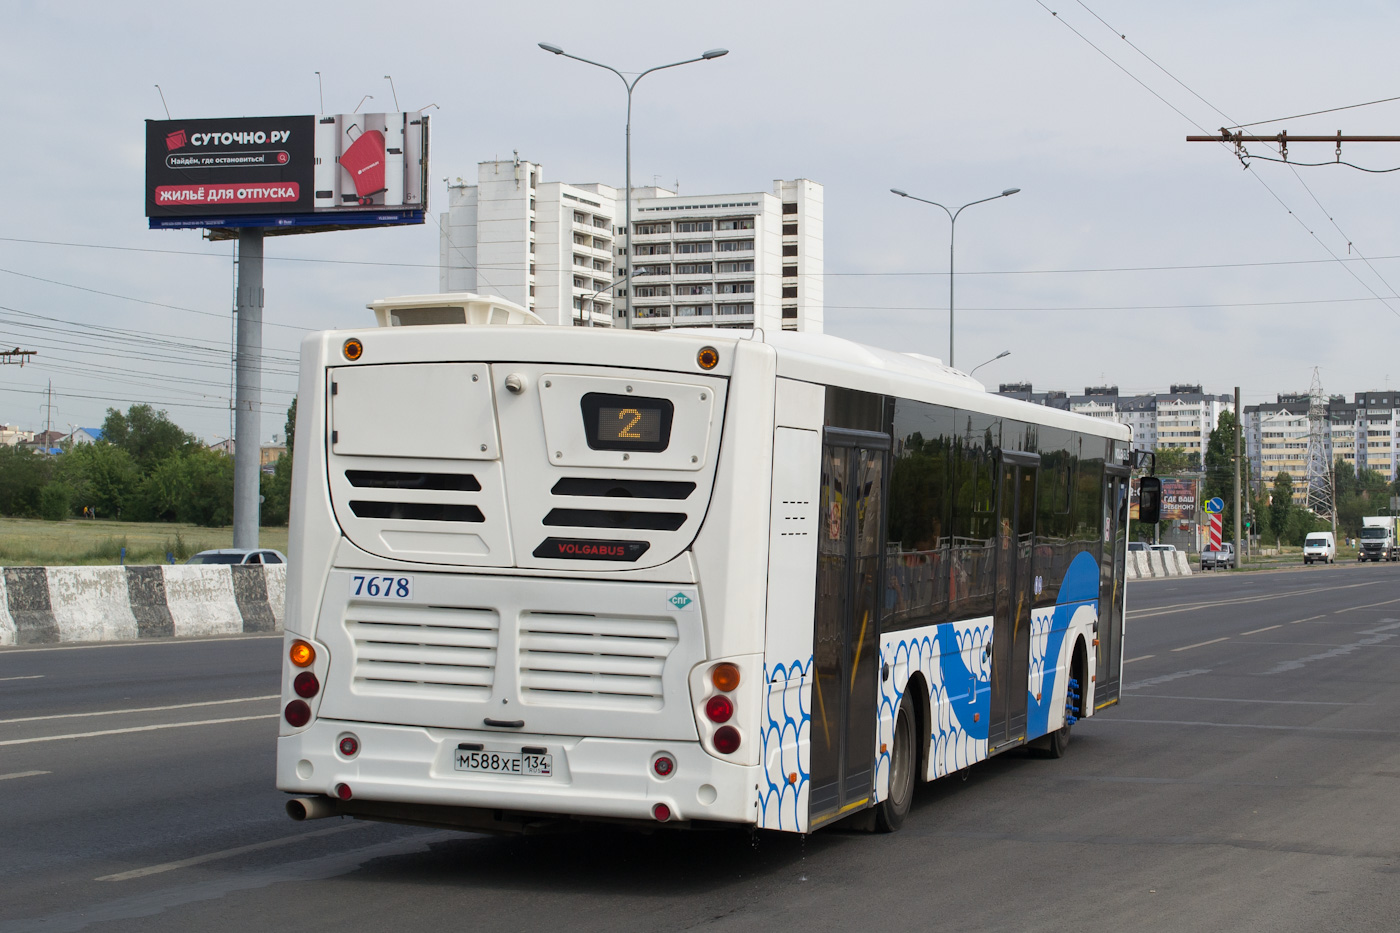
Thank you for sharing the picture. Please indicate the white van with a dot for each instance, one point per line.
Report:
(1320, 545)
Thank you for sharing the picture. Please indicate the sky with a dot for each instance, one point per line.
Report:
(1130, 257)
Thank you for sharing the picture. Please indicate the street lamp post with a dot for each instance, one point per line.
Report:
(992, 360)
(627, 208)
(952, 228)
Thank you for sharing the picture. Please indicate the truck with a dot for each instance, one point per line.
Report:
(1213, 558)
(1378, 538)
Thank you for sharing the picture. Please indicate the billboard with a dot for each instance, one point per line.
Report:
(1178, 500)
(299, 173)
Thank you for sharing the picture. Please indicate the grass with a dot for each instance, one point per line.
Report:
(33, 542)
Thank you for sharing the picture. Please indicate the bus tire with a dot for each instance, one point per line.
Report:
(904, 761)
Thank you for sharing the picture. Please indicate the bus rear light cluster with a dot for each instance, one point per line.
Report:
(297, 713)
(306, 685)
(719, 708)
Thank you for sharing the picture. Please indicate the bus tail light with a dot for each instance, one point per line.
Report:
(302, 654)
(661, 813)
(725, 677)
(349, 746)
(719, 708)
(297, 713)
(342, 791)
(727, 740)
(664, 766)
(306, 685)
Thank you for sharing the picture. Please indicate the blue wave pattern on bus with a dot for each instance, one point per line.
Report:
(789, 731)
(960, 694)
(1079, 590)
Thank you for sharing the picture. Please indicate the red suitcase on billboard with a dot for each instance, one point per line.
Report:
(364, 160)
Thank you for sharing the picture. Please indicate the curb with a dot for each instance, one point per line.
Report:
(48, 605)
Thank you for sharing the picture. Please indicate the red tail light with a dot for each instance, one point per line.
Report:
(661, 812)
(726, 740)
(349, 746)
(306, 685)
(719, 708)
(664, 765)
(297, 713)
(342, 791)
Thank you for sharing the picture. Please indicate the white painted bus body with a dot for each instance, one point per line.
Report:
(604, 664)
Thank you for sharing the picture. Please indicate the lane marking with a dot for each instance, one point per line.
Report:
(1308, 619)
(1143, 658)
(1249, 725)
(1165, 696)
(1387, 602)
(1189, 607)
(168, 725)
(26, 677)
(1200, 644)
(1378, 636)
(1154, 681)
(20, 774)
(142, 643)
(226, 853)
(1267, 628)
(141, 709)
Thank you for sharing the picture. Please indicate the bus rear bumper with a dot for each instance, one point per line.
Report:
(593, 778)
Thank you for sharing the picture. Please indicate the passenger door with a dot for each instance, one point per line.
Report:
(1011, 618)
(846, 676)
(1109, 657)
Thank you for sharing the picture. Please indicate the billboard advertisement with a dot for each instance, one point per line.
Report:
(292, 172)
(1178, 500)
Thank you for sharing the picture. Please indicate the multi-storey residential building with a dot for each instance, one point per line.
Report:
(1361, 433)
(1182, 418)
(731, 260)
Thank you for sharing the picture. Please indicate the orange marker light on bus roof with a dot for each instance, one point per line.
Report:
(301, 653)
(707, 358)
(353, 349)
(725, 677)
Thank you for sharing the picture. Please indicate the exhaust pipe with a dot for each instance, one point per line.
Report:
(311, 808)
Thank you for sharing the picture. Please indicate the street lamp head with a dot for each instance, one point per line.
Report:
(715, 53)
(1009, 192)
(1003, 353)
(550, 48)
(902, 194)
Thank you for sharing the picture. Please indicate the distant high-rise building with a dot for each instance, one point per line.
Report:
(724, 260)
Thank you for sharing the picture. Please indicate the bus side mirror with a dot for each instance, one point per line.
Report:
(1149, 500)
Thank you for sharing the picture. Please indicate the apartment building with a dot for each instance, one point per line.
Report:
(728, 260)
(1181, 418)
(1361, 433)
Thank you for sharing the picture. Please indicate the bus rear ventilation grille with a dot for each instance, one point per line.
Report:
(598, 518)
(380, 479)
(417, 511)
(622, 488)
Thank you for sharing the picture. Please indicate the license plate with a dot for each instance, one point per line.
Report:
(527, 763)
(381, 586)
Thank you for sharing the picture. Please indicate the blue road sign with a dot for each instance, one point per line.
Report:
(1215, 506)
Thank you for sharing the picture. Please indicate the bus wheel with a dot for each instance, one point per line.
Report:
(890, 813)
(1058, 741)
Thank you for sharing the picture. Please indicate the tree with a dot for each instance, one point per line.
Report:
(1281, 506)
(149, 436)
(277, 488)
(195, 485)
(100, 475)
(23, 475)
(1220, 469)
(1172, 460)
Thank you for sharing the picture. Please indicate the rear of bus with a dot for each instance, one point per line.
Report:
(512, 547)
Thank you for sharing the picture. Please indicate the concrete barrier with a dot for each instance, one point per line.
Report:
(45, 605)
(1144, 565)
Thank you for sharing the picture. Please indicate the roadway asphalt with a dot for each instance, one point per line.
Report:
(1248, 781)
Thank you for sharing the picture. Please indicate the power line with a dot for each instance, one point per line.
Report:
(1299, 116)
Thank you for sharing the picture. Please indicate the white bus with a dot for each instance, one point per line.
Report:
(696, 577)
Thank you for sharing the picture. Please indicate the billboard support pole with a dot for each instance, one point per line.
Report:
(248, 391)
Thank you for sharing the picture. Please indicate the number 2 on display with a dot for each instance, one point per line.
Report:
(375, 587)
(627, 429)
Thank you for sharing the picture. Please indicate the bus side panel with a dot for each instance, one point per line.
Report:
(792, 567)
(1054, 634)
(955, 664)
